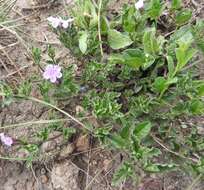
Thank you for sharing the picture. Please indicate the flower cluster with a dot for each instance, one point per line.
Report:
(6, 139)
(56, 22)
(52, 73)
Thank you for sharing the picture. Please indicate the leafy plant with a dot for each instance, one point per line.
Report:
(138, 79)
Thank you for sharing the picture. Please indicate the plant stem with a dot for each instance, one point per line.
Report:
(11, 158)
(52, 106)
(99, 27)
(34, 123)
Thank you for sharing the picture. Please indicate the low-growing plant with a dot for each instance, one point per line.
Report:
(138, 78)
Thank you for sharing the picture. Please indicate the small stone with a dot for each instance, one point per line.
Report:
(67, 150)
(82, 143)
(44, 179)
(79, 109)
(200, 130)
(107, 164)
(48, 146)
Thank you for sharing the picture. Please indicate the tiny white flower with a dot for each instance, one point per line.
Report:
(54, 21)
(139, 4)
(66, 23)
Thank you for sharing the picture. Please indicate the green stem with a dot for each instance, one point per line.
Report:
(11, 158)
(99, 27)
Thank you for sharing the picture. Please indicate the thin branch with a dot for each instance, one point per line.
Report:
(171, 151)
(21, 125)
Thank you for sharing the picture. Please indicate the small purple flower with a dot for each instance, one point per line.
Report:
(6, 139)
(52, 73)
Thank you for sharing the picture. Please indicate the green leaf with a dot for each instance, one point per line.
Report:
(152, 168)
(122, 173)
(134, 58)
(196, 107)
(198, 34)
(36, 52)
(118, 141)
(117, 40)
(149, 60)
(171, 80)
(159, 167)
(183, 16)
(171, 67)
(142, 130)
(176, 4)
(152, 45)
(200, 89)
(159, 84)
(104, 25)
(125, 131)
(182, 34)
(128, 20)
(155, 9)
(83, 41)
(152, 153)
(184, 54)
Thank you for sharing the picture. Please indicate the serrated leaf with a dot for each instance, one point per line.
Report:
(118, 40)
(122, 173)
(142, 130)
